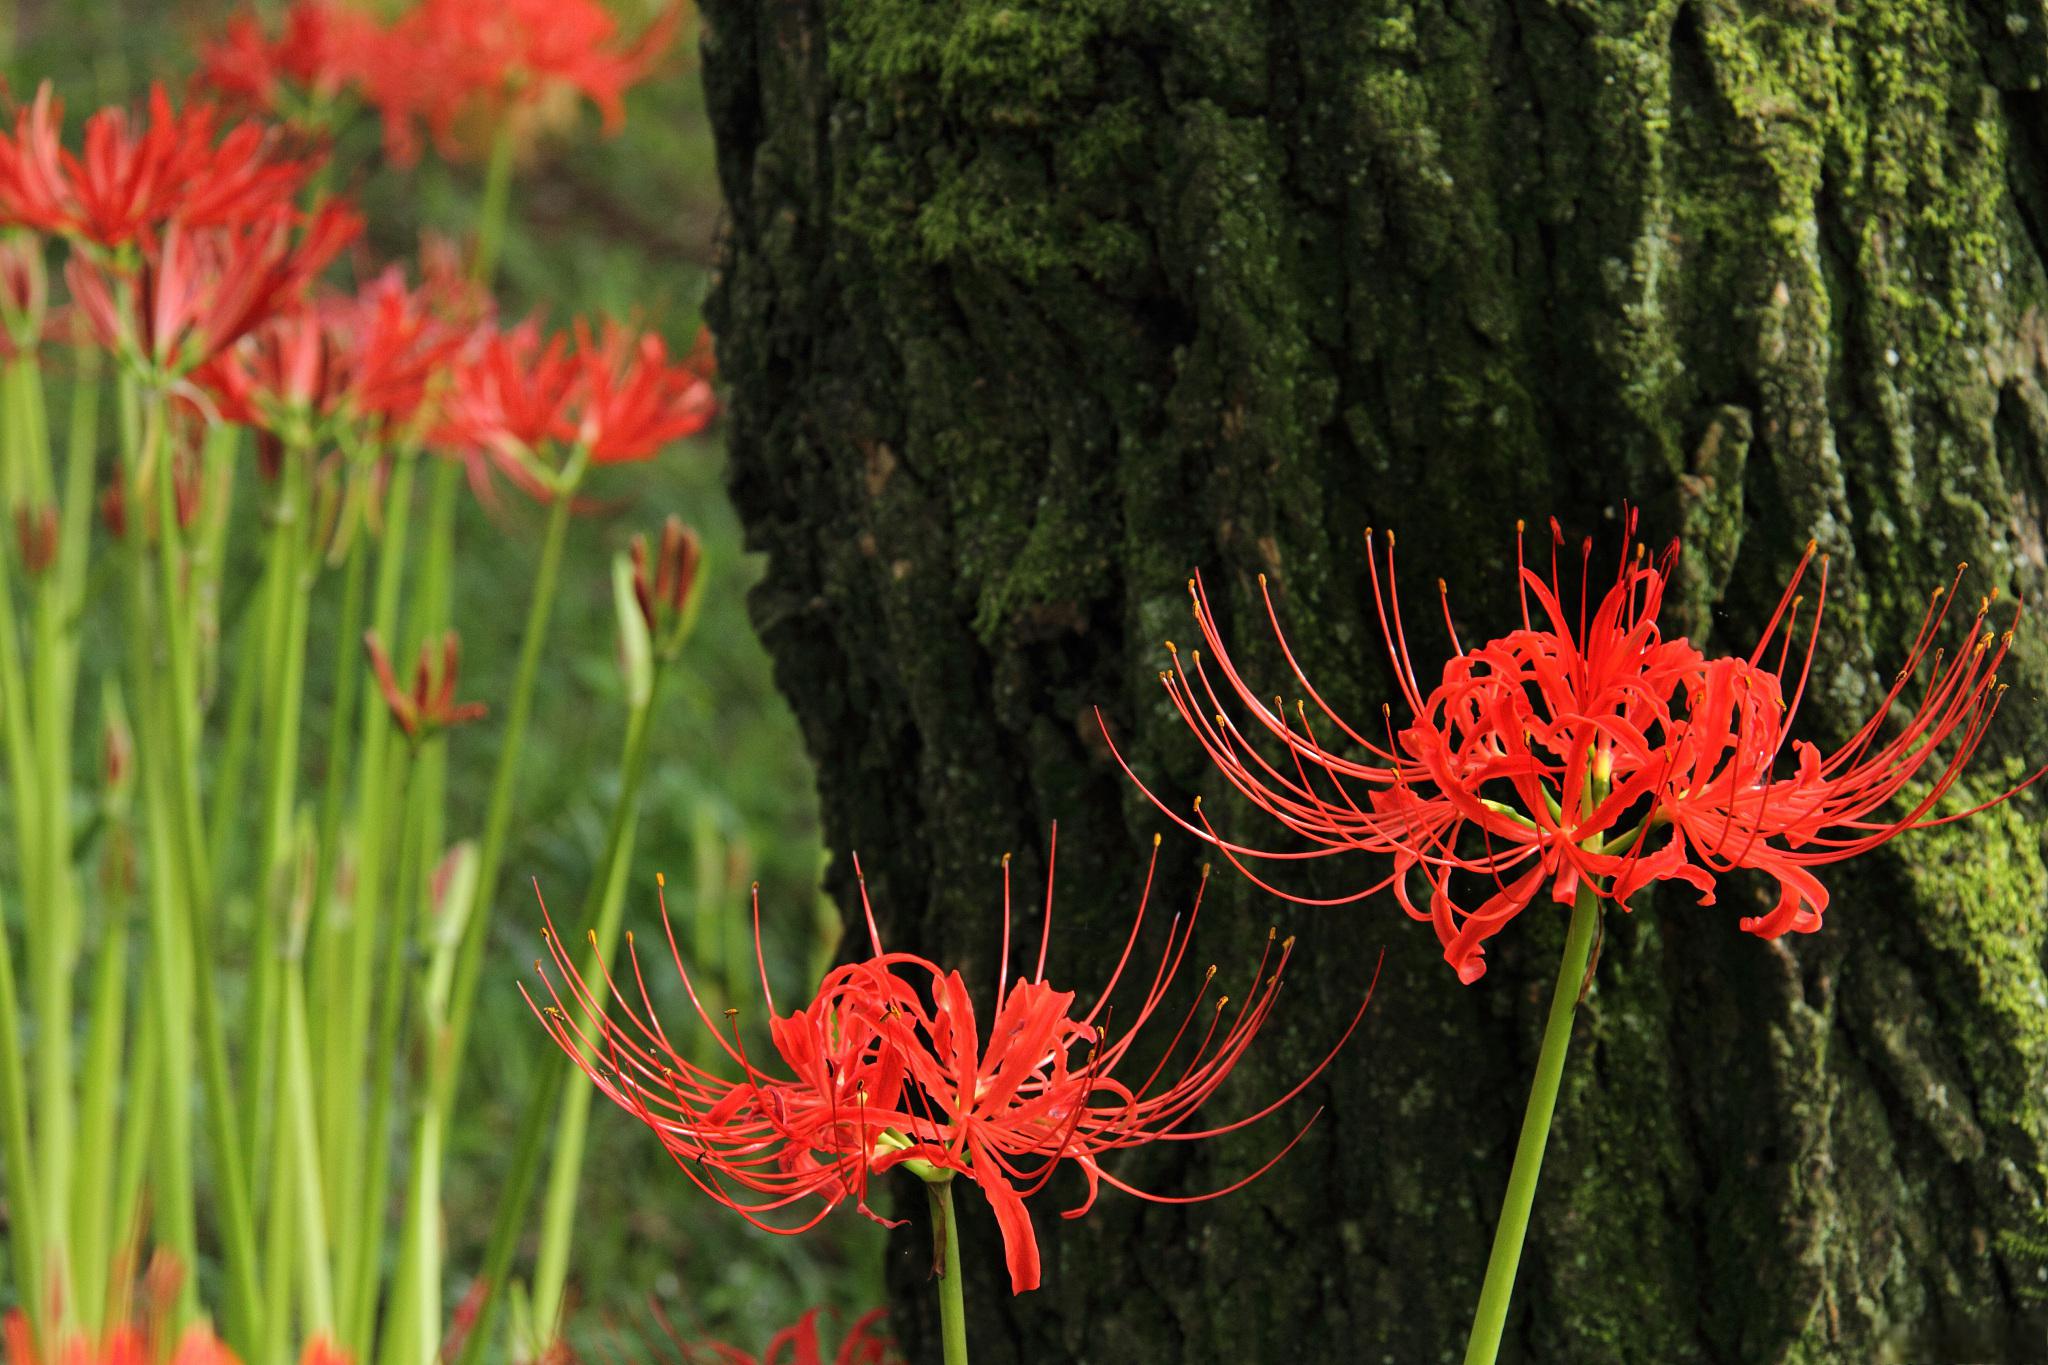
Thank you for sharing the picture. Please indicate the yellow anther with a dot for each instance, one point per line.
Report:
(1262, 580)
(1170, 649)
(661, 879)
(1520, 526)
(1287, 945)
(1155, 839)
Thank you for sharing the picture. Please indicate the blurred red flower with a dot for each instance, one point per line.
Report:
(135, 175)
(516, 394)
(1586, 748)
(885, 1067)
(444, 62)
(193, 294)
(323, 47)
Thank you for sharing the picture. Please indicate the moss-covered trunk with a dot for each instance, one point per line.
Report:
(1028, 309)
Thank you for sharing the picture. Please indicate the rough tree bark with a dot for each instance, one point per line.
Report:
(1028, 309)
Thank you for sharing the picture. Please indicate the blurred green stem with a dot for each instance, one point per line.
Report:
(496, 203)
(604, 905)
(505, 780)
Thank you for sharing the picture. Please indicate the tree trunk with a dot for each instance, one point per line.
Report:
(1030, 309)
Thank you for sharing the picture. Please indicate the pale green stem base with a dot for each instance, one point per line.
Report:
(1508, 1234)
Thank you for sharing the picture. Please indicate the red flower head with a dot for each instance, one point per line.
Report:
(132, 176)
(1586, 749)
(323, 47)
(447, 61)
(196, 293)
(369, 357)
(865, 1343)
(517, 395)
(886, 1067)
(633, 401)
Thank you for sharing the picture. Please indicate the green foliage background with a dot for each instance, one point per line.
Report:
(618, 226)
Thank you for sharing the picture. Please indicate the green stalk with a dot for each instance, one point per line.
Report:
(607, 900)
(144, 1063)
(93, 1195)
(1490, 1319)
(416, 1315)
(187, 946)
(505, 780)
(233, 762)
(315, 1273)
(497, 199)
(359, 1275)
(287, 653)
(24, 1231)
(346, 1042)
(952, 1294)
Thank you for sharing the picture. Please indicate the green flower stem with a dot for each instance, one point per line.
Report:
(605, 905)
(316, 1275)
(358, 1302)
(233, 753)
(346, 1043)
(952, 1294)
(24, 1231)
(93, 1193)
(170, 956)
(1491, 1317)
(170, 779)
(25, 774)
(497, 201)
(288, 571)
(505, 780)
(139, 1134)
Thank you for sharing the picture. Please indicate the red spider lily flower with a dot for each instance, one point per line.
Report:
(134, 176)
(516, 395)
(198, 292)
(323, 47)
(1587, 749)
(431, 705)
(370, 357)
(865, 1343)
(634, 401)
(886, 1068)
(448, 61)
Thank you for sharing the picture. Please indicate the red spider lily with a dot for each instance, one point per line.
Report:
(431, 705)
(370, 357)
(449, 60)
(616, 395)
(126, 1345)
(198, 292)
(634, 401)
(132, 177)
(1587, 749)
(865, 1343)
(322, 47)
(886, 1068)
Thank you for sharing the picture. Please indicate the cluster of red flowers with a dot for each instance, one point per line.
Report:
(447, 66)
(192, 261)
(1586, 749)
(144, 1344)
(886, 1067)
